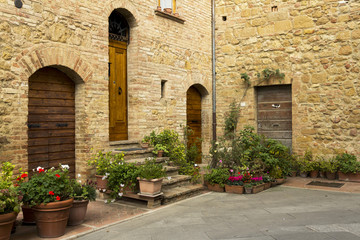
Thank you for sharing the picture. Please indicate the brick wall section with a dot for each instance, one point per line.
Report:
(74, 35)
(316, 44)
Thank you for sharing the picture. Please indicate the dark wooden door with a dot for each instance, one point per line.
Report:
(274, 115)
(51, 120)
(118, 129)
(193, 118)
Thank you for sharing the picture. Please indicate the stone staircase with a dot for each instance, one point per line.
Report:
(175, 187)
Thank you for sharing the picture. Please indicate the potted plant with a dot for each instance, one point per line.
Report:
(10, 200)
(215, 180)
(49, 192)
(349, 167)
(122, 179)
(248, 188)
(258, 184)
(234, 184)
(82, 194)
(314, 168)
(150, 176)
(145, 142)
(330, 167)
(160, 149)
(103, 163)
(267, 181)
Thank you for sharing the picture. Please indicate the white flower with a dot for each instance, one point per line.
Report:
(103, 178)
(120, 194)
(79, 175)
(52, 168)
(79, 181)
(169, 178)
(217, 143)
(33, 169)
(65, 166)
(37, 169)
(104, 190)
(122, 185)
(220, 150)
(210, 155)
(105, 201)
(229, 149)
(113, 200)
(195, 165)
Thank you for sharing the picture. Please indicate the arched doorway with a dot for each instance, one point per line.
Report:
(51, 120)
(193, 119)
(119, 32)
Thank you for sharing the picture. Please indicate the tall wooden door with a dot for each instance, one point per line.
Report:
(193, 118)
(118, 91)
(51, 120)
(275, 113)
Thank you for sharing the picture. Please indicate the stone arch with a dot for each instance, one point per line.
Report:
(63, 59)
(126, 8)
(203, 91)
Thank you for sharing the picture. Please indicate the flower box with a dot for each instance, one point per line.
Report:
(258, 188)
(215, 187)
(352, 177)
(267, 185)
(234, 189)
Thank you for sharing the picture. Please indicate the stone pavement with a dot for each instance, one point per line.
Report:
(285, 212)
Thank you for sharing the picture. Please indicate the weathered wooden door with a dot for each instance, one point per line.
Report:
(193, 118)
(51, 120)
(118, 91)
(274, 115)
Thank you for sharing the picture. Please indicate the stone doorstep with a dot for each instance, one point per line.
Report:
(175, 181)
(171, 171)
(125, 144)
(140, 161)
(180, 193)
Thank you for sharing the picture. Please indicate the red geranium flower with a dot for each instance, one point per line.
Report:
(57, 175)
(24, 175)
(51, 193)
(41, 170)
(58, 198)
(18, 179)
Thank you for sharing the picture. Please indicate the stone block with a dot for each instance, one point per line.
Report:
(345, 50)
(343, 36)
(355, 34)
(319, 78)
(266, 30)
(303, 22)
(283, 26)
(245, 32)
(277, 16)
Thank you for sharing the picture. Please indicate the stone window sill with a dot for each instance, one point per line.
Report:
(169, 16)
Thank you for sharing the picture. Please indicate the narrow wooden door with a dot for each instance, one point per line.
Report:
(118, 91)
(51, 120)
(193, 118)
(275, 113)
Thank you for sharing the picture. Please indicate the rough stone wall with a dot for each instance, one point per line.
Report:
(316, 44)
(73, 35)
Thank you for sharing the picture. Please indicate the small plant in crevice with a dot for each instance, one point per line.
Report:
(268, 73)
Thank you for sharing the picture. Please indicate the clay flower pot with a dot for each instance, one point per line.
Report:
(51, 219)
(248, 190)
(150, 187)
(234, 189)
(314, 174)
(330, 175)
(267, 185)
(215, 187)
(77, 212)
(6, 223)
(258, 188)
(28, 215)
(160, 153)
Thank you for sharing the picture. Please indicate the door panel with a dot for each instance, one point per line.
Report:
(274, 113)
(51, 120)
(118, 91)
(193, 117)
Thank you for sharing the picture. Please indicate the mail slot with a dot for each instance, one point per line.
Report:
(33, 125)
(61, 124)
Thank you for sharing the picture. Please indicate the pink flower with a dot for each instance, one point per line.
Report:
(220, 161)
(231, 170)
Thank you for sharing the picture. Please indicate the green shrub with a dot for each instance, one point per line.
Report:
(104, 162)
(151, 170)
(330, 165)
(348, 163)
(217, 176)
(85, 191)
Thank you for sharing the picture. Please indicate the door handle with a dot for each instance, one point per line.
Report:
(120, 90)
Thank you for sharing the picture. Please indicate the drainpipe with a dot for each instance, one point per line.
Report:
(213, 68)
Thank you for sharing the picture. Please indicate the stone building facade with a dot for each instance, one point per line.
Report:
(316, 44)
(166, 55)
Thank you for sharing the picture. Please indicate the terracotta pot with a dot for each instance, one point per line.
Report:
(330, 175)
(168, 10)
(77, 212)
(100, 183)
(303, 174)
(176, 14)
(6, 223)
(267, 185)
(293, 174)
(314, 174)
(28, 215)
(150, 187)
(258, 188)
(248, 190)
(322, 174)
(215, 187)
(158, 8)
(352, 177)
(145, 145)
(160, 153)
(234, 189)
(280, 180)
(51, 219)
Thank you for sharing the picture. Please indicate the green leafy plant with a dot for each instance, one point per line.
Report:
(151, 170)
(10, 197)
(330, 165)
(217, 176)
(122, 176)
(231, 120)
(159, 147)
(47, 186)
(268, 73)
(348, 163)
(86, 191)
(146, 139)
(103, 162)
(248, 185)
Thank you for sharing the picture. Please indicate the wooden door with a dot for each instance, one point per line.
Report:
(51, 120)
(118, 91)
(193, 118)
(274, 113)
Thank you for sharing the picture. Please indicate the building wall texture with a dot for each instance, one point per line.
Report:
(316, 43)
(73, 36)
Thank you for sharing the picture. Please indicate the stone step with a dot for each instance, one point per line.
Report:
(125, 144)
(172, 170)
(140, 161)
(139, 153)
(180, 193)
(175, 181)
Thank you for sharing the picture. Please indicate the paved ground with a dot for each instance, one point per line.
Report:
(278, 213)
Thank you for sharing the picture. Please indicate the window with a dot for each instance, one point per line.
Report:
(167, 4)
